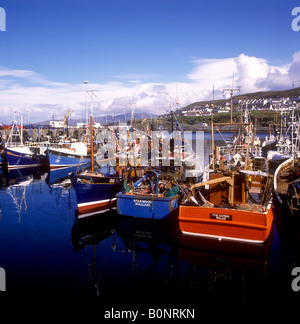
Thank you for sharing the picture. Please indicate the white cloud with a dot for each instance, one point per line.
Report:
(16, 73)
(250, 73)
(38, 98)
(213, 69)
(250, 70)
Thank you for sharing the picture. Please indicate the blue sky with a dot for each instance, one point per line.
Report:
(170, 48)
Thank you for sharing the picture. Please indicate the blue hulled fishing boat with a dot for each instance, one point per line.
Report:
(68, 155)
(154, 196)
(18, 155)
(95, 192)
(24, 157)
(96, 189)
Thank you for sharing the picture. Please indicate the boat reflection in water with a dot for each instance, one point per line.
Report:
(57, 175)
(91, 231)
(154, 237)
(20, 177)
(127, 258)
(16, 182)
(134, 259)
(224, 270)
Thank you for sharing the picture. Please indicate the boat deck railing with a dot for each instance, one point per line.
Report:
(47, 144)
(241, 149)
(39, 144)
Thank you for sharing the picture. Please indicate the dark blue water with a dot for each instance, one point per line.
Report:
(46, 252)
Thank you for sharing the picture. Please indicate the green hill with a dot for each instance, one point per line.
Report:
(262, 112)
(253, 95)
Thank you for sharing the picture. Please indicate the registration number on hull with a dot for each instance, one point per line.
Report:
(220, 217)
(143, 203)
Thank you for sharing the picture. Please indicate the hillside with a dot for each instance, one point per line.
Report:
(290, 93)
(263, 107)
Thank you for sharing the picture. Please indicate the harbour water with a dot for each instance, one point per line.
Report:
(46, 252)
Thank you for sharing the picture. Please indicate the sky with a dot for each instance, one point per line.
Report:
(150, 55)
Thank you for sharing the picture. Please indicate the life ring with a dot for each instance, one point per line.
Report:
(73, 150)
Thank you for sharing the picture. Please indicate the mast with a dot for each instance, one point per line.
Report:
(212, 131)
(92, 143)
(133, 106)
(21, 135)
(15, 132)
(293, 129)
(248, 144)
(231, 92)
(91, 94)
(212, 141)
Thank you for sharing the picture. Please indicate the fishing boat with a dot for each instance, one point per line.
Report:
(230, 210)
(18, 155)
(154, 196)
(2, 160)
(95, 192)
(68, 155)
(24, 157)
(282, 145)
(286, 195)
(2, 153)
(96, 189)
(234, 201)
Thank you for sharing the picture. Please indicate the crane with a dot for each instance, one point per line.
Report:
(66, 117)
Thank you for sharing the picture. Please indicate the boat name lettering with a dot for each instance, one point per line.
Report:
(141, 202)
(220, 217)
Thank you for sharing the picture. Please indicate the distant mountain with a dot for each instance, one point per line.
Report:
(109, 119)
(123, 117)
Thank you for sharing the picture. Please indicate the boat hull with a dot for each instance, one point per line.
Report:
(2, 158)
(147, 206)
(58, 159)
(241, 256)
(93, 198)
(287, 220)
(286, 193)
(222, 223)
(57, 175)
(18, 160)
